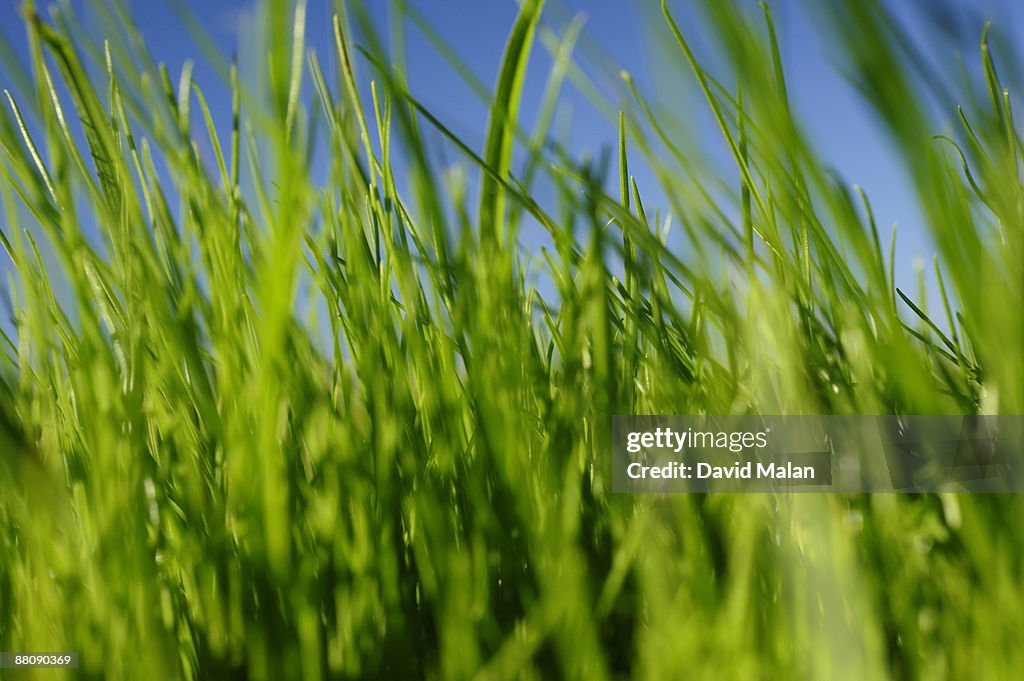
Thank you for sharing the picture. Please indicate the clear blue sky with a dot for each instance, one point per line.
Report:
(617, 32)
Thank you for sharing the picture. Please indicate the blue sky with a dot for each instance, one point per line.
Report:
(617, 33)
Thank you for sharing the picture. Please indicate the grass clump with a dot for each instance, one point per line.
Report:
(273, 412)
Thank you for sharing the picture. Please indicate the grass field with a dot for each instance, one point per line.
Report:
(271, 409)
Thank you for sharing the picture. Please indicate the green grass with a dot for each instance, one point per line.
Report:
(266, 417)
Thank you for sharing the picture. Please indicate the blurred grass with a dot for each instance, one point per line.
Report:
(266, 416)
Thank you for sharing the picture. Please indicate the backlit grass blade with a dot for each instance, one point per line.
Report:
(502, 121)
